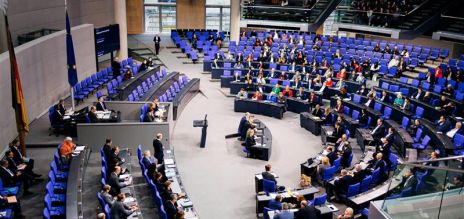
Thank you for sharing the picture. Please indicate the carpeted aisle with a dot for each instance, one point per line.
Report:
(219, 179)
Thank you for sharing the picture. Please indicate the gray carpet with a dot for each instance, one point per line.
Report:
(219, 179)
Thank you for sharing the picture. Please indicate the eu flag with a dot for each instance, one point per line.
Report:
(72, 70)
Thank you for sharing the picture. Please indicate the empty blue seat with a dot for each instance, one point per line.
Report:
(269, 186)
(365, 183)
(423, 144)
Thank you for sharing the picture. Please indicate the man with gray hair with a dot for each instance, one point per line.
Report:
(158, 148)
(285, 213)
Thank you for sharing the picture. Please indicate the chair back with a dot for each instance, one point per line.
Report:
(352, 190)
(355, 115)
(365, 183)
(405, 122)
(265, 212)
(269, 186)
(418, 135)
(419, 112)
(320, 200)
(100, 200)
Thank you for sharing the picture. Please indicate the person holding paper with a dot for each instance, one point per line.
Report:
(11, 201)
(15, 167)
(20, 159)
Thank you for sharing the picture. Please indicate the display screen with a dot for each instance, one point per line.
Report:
(106, 39)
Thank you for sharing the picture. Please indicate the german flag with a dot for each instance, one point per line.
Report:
(16, 91)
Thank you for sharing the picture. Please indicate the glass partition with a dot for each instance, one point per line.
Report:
(425, 191)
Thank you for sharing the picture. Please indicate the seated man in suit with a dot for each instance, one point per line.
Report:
(22, 168)
(171, 207)
(20, 159)
(342, 183)
(409, 181)
(419, 94)
(414, 127)
(93, 115)
(337, 133)
(385, 149)
(11, 178)
(362, 91)
(101, 106)
(276, 204)
(345, 154)
(390, 135)
(448, 91)
(15, 205)
(370, 101)
(443, 125)
(379, 163)
(307, 211)
(456, 129)
(406, 105)
(113, 159)
(267, 174)
(331, 154)
(149, 115)
(363, 118)
(121, 210)
(117, 183)
(148, 159)
(107, 148)
(378, 132)
(107, 197)
(317, 111)
(359, 174)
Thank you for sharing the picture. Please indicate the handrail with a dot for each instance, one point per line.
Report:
(393, 14)
(277, 7)
(452, 17)
(436, 160)
(433, 168)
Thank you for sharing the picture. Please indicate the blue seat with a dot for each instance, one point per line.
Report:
(45, 214)
(269, 186)
(394, 161)
(356, 98)
(336, 163)
(107, 211)
(365, 212)
(57, 211)
(423, 144)
(320, 200)
(365, 183)
(57, 199)
(355, 115)
(265, 212)
(247, 152)
(418, 135)
(387, 113)
(404, 80)
(405, 122)
(60, 176)
(328, 174)
(419, 113)
(375, 176)
(352, 191)
(346, 110)
(139, 152)
(8, 190)
(59, 187)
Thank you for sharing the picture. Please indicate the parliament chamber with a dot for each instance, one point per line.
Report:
(307, 109)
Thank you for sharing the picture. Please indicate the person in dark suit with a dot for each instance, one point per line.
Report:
(10, 178)
(406, 105)
(345, 154)
(116, 183)
(313, 99)
(107, 148)
(149, 115)
(101, 106)
(317, 111)
(107, 197)
(158, 148)
(409, 181)
(276, 203)
(448, 91)
(16, 206)
(57, 117)
(25, 173)
(359, 174)
(343, 182)
(384, 98)
(327, 117)
(147, 159)
(338, 131)
(20, 159)
(379, 163)
(362, 91)
(267, 174)
(332, 155)
(418, 95)
(379, 131)
(385, 149)
(443, 125)
(243, 120)
(113, 159)
(61, 107)
(414, 127)
(120, 210)
(239, 57)
(92, 114)
(157, 40)
(250, 141)
(171, 207)
(370, 101)
(116, 67)
(390, 135)
(307, 211)
(363, 119)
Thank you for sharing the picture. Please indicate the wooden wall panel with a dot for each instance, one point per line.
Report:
(134, 11)
(190, 14)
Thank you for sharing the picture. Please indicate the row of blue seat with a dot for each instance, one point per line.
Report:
(156, 195)
(144, 88)
(440, 84)
(55, 190)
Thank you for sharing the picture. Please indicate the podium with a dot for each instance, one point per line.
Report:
(204, 125)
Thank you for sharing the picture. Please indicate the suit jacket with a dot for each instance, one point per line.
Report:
(359, 176)
(308, 212)
(148, 117)
(332, 157)
(327, 119)
(379, 132)
(346, 152)
(158, 147)
(148, 161)
(12, 165)
(101, 106)
(418, 96)
(93, 117)
(107, 198)
(107, 151)
(363, 119)
(406, 106)
(62, 109)
(17, 156)
(443, 127)
(381, 165)
(342, 183)
(409, 182)
(269, 176)
(276, 205)
(371, 104)
(119, 210)
(337, 133)
(317, 113)
(7, 178)
(157, 39)
(116, 184)
(171, 210)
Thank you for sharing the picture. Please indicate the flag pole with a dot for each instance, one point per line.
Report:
(71, 87)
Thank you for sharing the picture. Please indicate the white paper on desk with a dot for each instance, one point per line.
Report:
(185, 203)
(171, 166)
(66, 117)
(273, 195)
(168, 161)
(168, 151)
(79, 148)
(123, 176)
(69, 113)
(129, 199)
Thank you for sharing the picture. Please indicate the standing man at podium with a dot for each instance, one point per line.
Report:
(157, 40)
(158, 147)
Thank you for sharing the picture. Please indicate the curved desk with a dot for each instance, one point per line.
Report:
(74, 208)
(265, 108)
(126, 87)
(161, 86)
(263, 147)
(184, 96)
